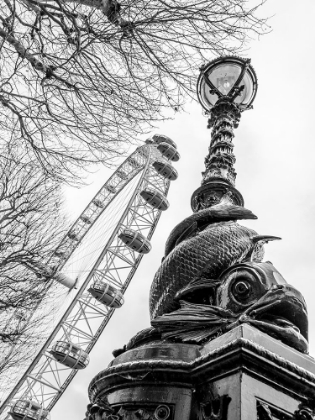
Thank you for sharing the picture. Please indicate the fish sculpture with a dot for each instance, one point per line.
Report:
(250, 292)
(202, 246)
(212, 279)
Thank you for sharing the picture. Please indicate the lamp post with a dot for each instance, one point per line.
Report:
(226, 87)
(228, 336)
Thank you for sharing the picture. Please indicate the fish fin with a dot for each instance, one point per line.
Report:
(264, 238)
(257, 252)
(199, 283)
(223, 212)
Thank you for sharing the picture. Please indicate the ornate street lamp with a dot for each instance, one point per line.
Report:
(226, 87)
(228, 334)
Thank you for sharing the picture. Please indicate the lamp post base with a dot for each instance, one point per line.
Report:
(242, 375)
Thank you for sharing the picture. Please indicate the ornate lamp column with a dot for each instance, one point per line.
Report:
(229, 336)
(226, 87)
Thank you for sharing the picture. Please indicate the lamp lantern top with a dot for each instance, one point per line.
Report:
(227, 78)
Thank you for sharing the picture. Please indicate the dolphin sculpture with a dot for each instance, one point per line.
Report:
(203, 246)
(212, 279)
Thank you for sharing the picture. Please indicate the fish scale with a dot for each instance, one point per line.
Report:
(207, 254)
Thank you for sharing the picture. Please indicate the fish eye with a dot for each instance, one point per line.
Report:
(241, 289)
(241, 286)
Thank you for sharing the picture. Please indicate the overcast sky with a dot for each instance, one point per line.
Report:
(275, 153)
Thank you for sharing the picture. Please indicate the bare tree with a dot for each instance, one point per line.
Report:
(80, 78)
(30, 229)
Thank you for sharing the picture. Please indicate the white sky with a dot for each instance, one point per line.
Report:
(275, 153)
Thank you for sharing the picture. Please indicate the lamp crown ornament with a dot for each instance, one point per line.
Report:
(228, 79)
(226, 87)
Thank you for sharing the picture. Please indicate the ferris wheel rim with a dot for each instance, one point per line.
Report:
(86, 207)
(50, 278)
(83, 287)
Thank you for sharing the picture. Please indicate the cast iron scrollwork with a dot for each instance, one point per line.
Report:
(269, 412)
(263, 411)
(304, 412)
(216, 409)
(103, 411)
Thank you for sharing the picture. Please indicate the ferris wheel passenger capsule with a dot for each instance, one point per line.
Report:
(160, 138)
(107, 294)
(169, 151)
(70, 355)
(98, 203)
(122, 174)
(110, 188)
(61, 253)
(73, 235)
(143, 151)
(86, 219)
(166, 170)
(28, 410)
(135, 241)
(155, 198)
(133, 162)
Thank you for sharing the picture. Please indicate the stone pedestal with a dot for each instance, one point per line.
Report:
(243, 374)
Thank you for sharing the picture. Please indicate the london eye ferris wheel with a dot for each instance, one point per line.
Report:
(90, 271)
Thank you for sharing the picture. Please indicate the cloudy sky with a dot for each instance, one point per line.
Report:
(275, 152)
